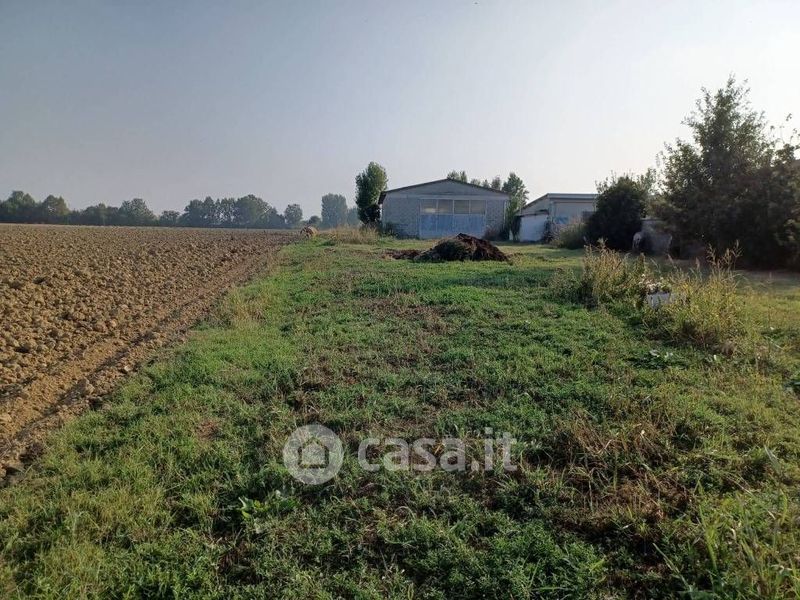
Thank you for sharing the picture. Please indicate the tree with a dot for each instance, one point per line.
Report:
(733, 182)
(18, 208)
(517, 198)
(314, 221)
(457, 176)
(248, 211)
(293, 214)
(334, 210)
(135, 212)
(352, 216)
(53, 210)
(619, 211)
(497, 183)
(169, 218)
(93, 215)
(271, 218)
(226, 211)
(369, 185)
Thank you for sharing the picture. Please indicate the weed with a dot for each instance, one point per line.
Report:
(350, 235)
(571, 236)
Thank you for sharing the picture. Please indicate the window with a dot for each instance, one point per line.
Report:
(445, 207)
(477, 207)
(427, 207)
(461, 207)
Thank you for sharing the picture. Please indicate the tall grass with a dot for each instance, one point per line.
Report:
(571, 236)
(705, 307)
(351, 235)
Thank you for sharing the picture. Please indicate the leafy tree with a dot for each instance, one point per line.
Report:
(619, 211)
(733, 182)
(53, 210)
(517, 198)
(369, 185)
(135, 212)
(271, 218)
(457, 176)
(334, 210)
(293, 215)
(169, 218)
(226, 211)
(496, 183)
(352, 216)
(314, 221)
(249, 211)
(18, 208)
(93, 215)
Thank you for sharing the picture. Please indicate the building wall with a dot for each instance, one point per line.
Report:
(563, 212)
(401, 209)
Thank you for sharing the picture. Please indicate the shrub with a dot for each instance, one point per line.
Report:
(619, 212)
(571, 236)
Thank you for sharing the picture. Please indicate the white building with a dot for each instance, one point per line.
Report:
(443, 208)
(548, 213)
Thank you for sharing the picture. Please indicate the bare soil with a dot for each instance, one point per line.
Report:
(82, 307)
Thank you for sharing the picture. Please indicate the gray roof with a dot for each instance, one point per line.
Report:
(408, 187)
(541, 203)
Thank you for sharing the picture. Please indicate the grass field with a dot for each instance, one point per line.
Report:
(645, 469)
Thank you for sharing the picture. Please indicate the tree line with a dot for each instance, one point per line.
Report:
(247, 211)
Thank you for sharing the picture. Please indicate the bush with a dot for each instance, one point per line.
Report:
(571, 236)
(619, 212)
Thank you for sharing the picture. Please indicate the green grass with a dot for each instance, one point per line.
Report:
(645, 469)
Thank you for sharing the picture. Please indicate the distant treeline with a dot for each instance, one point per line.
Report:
(247, 211)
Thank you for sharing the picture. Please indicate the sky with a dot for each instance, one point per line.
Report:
(169, 101)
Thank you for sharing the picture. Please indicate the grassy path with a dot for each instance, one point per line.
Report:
(643, 470)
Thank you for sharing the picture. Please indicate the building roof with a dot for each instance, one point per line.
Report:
(540, 204)
(416, 185)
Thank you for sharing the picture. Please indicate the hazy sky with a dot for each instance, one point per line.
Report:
(168, 101)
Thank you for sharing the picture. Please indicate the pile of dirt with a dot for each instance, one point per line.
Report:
(461, 247)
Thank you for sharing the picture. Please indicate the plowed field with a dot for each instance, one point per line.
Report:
(81, 307)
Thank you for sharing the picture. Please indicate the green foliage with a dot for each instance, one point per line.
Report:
(169, 218)
(733, 182)
(334, 211)
(135, 212)
(18, 208)
(53, 210)
(458, 176)
(517, 198)
(369, 185)
(571, 236)
(619, 211)
(293, 215)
